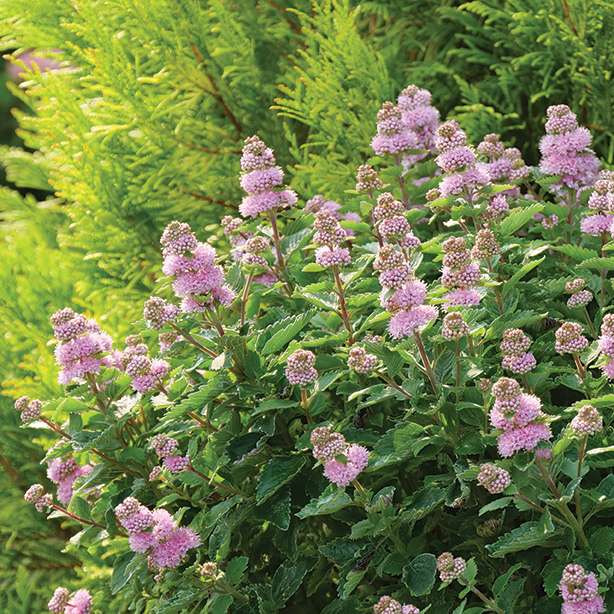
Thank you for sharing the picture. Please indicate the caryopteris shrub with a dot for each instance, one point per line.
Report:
(319, 415)
(376, 346)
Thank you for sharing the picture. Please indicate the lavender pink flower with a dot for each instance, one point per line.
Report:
(569, 339)
(588, 421)
(566, 149)
(393, 137)
(579, 591)
(361, 361)
(81, 347)
(388, 605)
(494, 479)
(262, 180)
(29, 409)
(156, 534)
(450, 568)
(197, 280)
(300, 368)
(63, 473)
(514, 348)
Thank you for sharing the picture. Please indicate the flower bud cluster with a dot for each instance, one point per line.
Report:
(262, 180)
(82, 346)
(514, 347)
(458, 162)
(343, 462)
(518, 417)
(601, 204)
(155, 534)
(569, 339)
(565, 150)
(450, 568)
(197, 280)
(579, 591)
(459, 274)
(300, 368)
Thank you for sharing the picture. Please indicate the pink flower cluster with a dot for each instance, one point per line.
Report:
(63, 602)
(29, 410)
(390, 223)
(155, 533)
(82, 345)
(420, 117)
(514, 347)
(519, 418)
(329, 236)
(450, 567)
(63, 473)
(342, 462)
(457, 160)
(459, 274)
(37, 496)
(197, 280)
(157, 312)
(361, 361)
(393, 137)
(588, 421)
(262, 180)
(569, 338)
(580, 296)
(502, 164)
(566, 149)
(579, 591)
(454, 326)
(388, 605)
(606, 344)
(300, 368)
(494, 479)
(486, 245)
(601, 204)
(367, 180)
(146, 374)
(165, 448)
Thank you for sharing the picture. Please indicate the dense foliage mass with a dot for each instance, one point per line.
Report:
(332, 400)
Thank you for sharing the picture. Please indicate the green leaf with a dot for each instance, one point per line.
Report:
(199, 398)
(419, 574)
(599, 264)
(281, 333)
(330, 501)
(576, 252)
(527, 535)
(235, 569)
(219, 604)
(277, 510)
(123, 570)
(395, 446)
(497, 504)
(518, 218)
(279, 471)
(288, 579)
(350, 582)
(525, 269)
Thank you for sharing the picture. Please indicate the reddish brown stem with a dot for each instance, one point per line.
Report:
(345, 316)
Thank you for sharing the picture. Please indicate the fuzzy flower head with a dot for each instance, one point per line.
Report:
(494, 479)
(459, 274)
(485, 246)
(82, 346)
(361, 361)
(515, 342)
(367, 179)
(63, 473)
(407, 323)
(79, 603)
(588, 421)
(454, 326)
(197, 280)
(393, 137)
(569, 339)
(450, 567)
(327, 444)
(579, 591)
(580, 296)
(566, 149)
(29, 409)
(342, 471)
(37, 496)
(163, 445)
(157, 312)
(300, 368)
(419, 115)
(262, 180)
(59, 600)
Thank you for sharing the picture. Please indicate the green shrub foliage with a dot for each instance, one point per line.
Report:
(307, 425)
